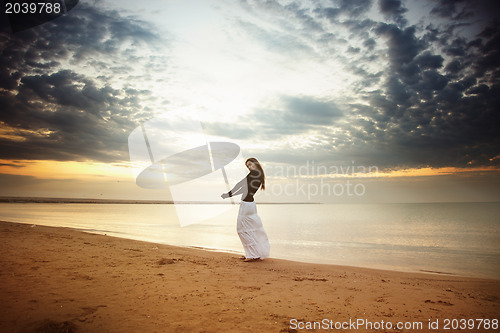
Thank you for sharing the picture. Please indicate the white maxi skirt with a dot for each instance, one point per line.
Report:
(251, 232)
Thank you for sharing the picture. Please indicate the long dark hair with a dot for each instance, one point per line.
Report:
(261, 171)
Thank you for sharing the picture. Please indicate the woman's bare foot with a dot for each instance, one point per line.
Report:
(251, 259)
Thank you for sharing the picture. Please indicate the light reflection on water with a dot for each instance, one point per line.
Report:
(453, 238)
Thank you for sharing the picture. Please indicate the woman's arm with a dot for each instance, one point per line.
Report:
(239, 188)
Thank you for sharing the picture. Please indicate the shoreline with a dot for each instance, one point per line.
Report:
(85, 282)
(10, 199)
(312, 262)
(4, 199)
(304, 261)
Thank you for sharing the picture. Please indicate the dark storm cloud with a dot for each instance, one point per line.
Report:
(403, 45)
(394, 10)
(484, 10)
(450, 9)
(440, 114)
(489, 62)
(429, 61)
(56, 113)
(436, 102)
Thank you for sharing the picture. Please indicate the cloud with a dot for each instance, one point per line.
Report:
(309, 111)
(277, 41)
(354, 7)
(427, 91)
(429, 61)
(12, 165)
(289, 116)
(393, 9)
(415, 95)
(51, 97)
(350, 8)
(403, 45)
(448, 8)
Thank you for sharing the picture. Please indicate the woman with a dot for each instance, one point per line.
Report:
(249, 226)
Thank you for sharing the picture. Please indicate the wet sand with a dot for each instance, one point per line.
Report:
(62, 280)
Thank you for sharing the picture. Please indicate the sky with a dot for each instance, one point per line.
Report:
(341, 100)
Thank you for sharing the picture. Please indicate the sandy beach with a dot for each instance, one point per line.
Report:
(62, 280)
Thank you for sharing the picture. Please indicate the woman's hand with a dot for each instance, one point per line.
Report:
(224, 195)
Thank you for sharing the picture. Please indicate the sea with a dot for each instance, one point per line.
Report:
(460, 239)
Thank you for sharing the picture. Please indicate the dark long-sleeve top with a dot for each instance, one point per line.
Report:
(247, 186)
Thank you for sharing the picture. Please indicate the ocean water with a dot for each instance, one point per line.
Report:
(444, 238)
